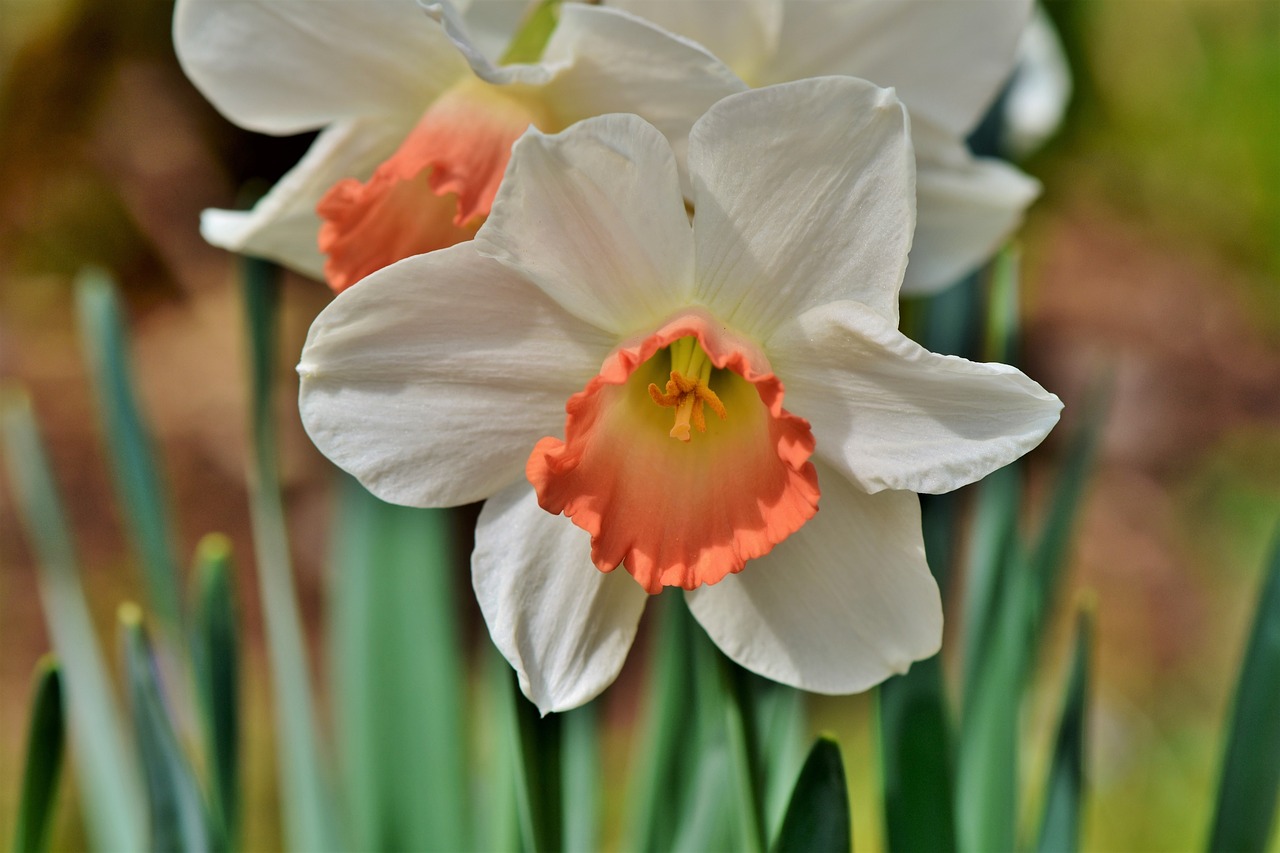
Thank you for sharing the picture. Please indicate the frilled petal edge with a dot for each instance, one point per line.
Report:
(282, 226)
(840, 606)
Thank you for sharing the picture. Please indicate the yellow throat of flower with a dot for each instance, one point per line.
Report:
(688, 389)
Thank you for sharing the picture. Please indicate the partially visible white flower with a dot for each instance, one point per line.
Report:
(416, 119)
(1041, 88)
(947, 60)
(629, 387)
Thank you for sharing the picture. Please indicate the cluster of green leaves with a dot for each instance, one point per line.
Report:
(951, 764)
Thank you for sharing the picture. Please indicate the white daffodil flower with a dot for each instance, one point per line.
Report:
(947, 59)
(416, 120)
(679, 397)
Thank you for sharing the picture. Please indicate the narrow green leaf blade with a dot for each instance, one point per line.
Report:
(1048, 554)
(1064, 794)
(216, 663)
(398, 678)
(779, 730)
(746, 780)
(818, 820)
(178, 820)
(308, 814)
(580, 778)
(142, 496)
(1250, 781)
(915, 727)
(992, 541)
(538, 785)
(109, 780)
(46, 739)
(915, 739)
(986, 791)
(498, 825)
(658, 787)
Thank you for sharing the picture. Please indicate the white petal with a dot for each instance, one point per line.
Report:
(946, 58)
(966, 207)
(744, 34)
(492, 23)
(432, 379)
(594, 216)
(840, 605)
(803, 194)
(476, 55)
(284, 66)
(1041, 87)
(563, 624)
(614, 63)
(889, 414)
(283, 225)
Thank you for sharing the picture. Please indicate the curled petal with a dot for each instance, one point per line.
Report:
(889, 414)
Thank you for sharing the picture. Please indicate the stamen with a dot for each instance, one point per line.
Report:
(688, 389)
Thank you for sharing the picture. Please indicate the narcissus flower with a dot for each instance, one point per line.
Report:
(722, 404)
(417, 123)
(947, 60)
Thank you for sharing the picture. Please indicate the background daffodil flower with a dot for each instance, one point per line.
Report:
(416, 121)
(446, 378)
(947, 60)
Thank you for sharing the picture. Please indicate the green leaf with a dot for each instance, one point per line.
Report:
(915, 727)
(987, 759)
(538, 786)
(305, 801)
(142, 497)
(746, 780)
(1064, 793)
(1002, 331)
(1048, 555)
(215, 631)
(658, 789)
(178, 820)
(398, 678)
(46, 738)
(986, 789)
(992, 546)
(915, 743)
(1250, 779)
(779, 730)
(498, 826)
(580, 778)
(534, 33)
(110, 789)
(818, 818)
